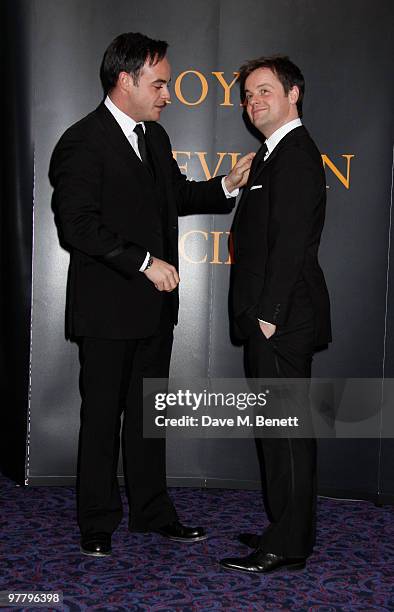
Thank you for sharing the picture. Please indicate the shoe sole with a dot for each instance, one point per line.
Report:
(290, 568)
(185, 540)
(95, 554)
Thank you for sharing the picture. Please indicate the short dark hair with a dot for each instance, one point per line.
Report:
(128, 52)
(288, 74)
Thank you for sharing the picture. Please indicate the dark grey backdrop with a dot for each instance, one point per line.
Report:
(344, 52)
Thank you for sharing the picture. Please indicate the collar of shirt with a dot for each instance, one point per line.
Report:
(280, 133)
(126, 123)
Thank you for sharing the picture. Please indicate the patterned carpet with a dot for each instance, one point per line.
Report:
(352, 568)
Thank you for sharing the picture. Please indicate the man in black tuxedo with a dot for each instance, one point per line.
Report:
(117, 196)
(279, 297)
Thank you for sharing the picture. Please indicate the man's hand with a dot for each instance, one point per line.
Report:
(163, 275)
(268, 329)
(238, 176)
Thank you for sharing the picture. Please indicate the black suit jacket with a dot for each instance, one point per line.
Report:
(276, 235)
(110, 211)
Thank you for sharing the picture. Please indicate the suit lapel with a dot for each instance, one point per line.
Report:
(154, 151)
(259, 166)
(263, 165)
(255, 169)
(115, 136)
(161, 167)
(258, 160)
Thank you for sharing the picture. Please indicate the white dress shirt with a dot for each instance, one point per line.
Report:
(126, 123)
(280, 133)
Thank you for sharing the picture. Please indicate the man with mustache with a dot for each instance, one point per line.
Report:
(117, 196)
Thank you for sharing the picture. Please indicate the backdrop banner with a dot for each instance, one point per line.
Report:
(343, 49)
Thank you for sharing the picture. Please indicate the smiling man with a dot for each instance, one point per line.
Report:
(280, 300)
(117, 196)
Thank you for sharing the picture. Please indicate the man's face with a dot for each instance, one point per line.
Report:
(266, 103)
(146, 100)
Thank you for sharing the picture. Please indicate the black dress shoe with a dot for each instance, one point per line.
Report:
(260, 562)
(96, 544)
(178, 532)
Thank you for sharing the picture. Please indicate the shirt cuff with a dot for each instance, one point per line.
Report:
(145, 262)
(227, 193)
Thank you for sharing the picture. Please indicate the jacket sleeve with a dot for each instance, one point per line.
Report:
(76, 173)
(296, 189)
(197, 197)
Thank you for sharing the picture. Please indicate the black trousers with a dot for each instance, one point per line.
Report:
(112, 373)
(287, 464)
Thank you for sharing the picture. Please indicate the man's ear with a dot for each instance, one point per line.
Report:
(124, 81)
(294, 94)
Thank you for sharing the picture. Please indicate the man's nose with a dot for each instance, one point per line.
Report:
(165, 94)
